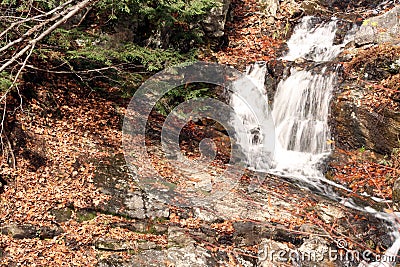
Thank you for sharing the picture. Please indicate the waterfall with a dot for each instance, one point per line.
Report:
(300, 114)
(250, 102)
(300, 109)
(301, 103)
(313, 39)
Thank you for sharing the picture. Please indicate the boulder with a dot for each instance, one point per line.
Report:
(29, 231)
(354, 125)
(381, 29)
(396, 192)
(126, 198)
(271, 7)
(214, 23)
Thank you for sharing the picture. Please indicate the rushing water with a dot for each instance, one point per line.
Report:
(300, 113)
(300, 110)
(301, 102)
(314, 40)
(254, 115)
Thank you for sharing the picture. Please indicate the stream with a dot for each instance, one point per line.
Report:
(299, 116)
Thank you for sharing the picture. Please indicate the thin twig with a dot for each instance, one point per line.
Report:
(72, 72)
(72, 12)
(10, 151)
(83, 18)
(36, 17)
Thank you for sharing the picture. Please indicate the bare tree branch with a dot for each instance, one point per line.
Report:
(72, 11)
(36, 18)
(99, 70)
(25, 44)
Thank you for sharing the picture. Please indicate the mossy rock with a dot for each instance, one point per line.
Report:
(62, 215)
(84, 215)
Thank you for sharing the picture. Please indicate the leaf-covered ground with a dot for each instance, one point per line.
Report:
(373, 74)
(63, 129)
(250, 36)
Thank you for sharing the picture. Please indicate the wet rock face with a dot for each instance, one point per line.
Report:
(344, 27)
(276, 71)
(396, 193)
(380, 29)
(356, 121)
(355, 126)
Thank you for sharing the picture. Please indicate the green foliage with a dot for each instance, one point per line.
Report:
(135, 38)
(64, 39)
(170, 10)
(152, 59)
(175, 20)
(129, 82)
(149, 59)
(113, 9)
(5, 81)
(25, 6)
(95, 51)
(175, 10)
(181, 94)
(174, 16)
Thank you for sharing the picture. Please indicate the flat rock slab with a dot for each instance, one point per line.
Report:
(237, 228)
(381, 29)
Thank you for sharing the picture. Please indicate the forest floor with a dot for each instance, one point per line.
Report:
(63, 133)
(56, 212)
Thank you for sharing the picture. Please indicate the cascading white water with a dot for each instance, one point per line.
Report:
(252, 111)
(301, 103)
(300, 113)
(314, 41)
(300, 110)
